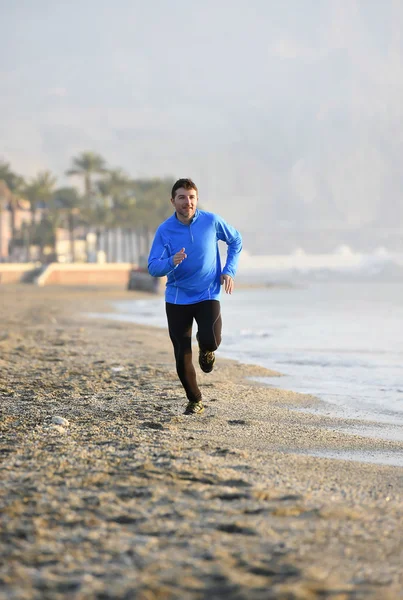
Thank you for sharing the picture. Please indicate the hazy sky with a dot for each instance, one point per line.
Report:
(282, 111)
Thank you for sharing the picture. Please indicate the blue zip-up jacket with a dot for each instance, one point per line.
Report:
(198, 277)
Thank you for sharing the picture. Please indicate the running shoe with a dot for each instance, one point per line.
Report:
(194, 408)
(206, 359)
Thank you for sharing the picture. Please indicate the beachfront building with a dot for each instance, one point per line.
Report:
(12, 220)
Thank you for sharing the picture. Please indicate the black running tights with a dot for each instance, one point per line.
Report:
(207, 315)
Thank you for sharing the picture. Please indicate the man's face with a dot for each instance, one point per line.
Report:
(185, 203)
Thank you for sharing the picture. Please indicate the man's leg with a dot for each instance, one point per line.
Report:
(180, 320)
(208, 318)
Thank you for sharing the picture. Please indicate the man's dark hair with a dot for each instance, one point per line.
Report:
(186, 183)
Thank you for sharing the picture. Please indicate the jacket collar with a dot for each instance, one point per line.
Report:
(196, 216)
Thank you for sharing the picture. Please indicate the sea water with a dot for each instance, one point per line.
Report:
(340, 341)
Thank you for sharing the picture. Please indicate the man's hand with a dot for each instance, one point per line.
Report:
(228, 283)
(179, 257)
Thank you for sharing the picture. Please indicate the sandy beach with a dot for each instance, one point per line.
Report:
(109, 491)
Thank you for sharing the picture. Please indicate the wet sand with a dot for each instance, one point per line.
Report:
(109, 491)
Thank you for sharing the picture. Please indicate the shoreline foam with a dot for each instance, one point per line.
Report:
(333, 417)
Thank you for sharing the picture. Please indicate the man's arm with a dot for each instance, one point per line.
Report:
(228, 234)
(159, 262)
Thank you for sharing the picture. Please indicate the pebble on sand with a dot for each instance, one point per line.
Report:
(60, 421)
(57, 428)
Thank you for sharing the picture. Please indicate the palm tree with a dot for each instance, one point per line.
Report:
(14, 182)
(116, 195)
(39, 190)
(68, 203)
(117, 187)
(86, 165)
(101, 218)
(151, 208)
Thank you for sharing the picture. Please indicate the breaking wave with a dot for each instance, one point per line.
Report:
(342, 263)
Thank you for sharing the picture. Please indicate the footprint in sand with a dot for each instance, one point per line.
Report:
(153, 425)
(230, 497)
(235, 528)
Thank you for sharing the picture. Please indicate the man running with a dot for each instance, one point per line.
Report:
(185, 248)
